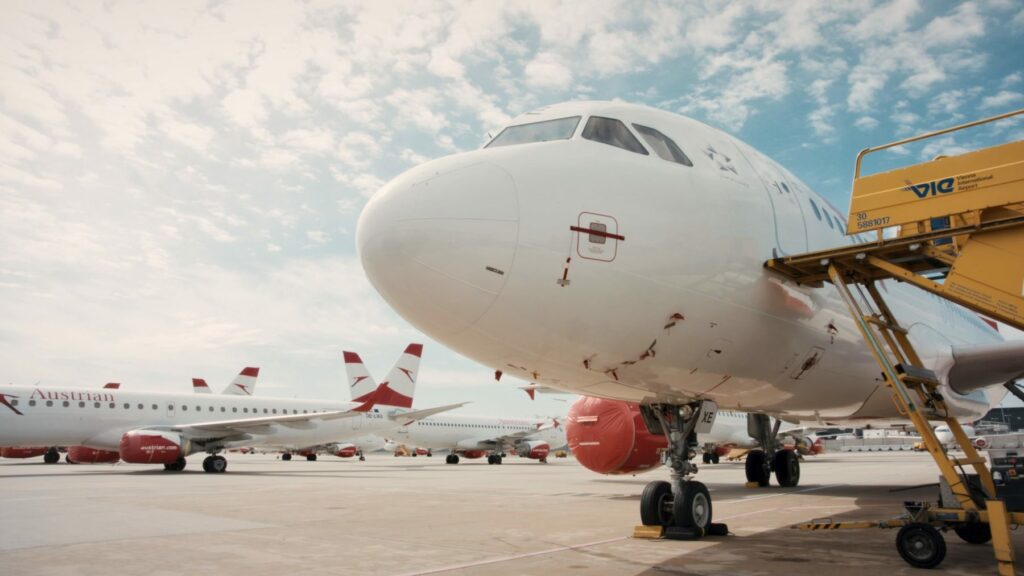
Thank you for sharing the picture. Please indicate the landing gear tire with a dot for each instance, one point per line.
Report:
(176, 466)
(430, 454)
(974, 533)
(286, 456)
(692, 509)
(787, 468)
(921, 545)
(494, 459)
(714, 457)
(215, 464)
(51, 456)
(449, 459)
(310, 457)
(656, 504)
(706, 458)
(757, 468)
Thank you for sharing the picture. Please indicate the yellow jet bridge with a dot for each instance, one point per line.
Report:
(959, 234)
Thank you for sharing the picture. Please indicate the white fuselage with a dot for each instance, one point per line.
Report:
(475, 432)
(478, 251)
(98, 418)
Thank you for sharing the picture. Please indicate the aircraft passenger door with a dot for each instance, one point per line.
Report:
(170, 409)
(790, 227)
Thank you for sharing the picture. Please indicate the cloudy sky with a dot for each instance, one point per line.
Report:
(180, 181)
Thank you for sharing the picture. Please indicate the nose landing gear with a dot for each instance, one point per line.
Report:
(682, 507)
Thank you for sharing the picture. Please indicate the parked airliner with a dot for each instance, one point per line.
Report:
(617, 250)
(163, 428)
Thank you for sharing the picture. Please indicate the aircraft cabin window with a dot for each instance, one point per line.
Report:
(141, 407)
(14, 402)
(81, 404)
(546, 131)
(817, 213)
(184, 408)
(612, 132)
(49, 403)
(662, 145)
(155, 407)
(31, 402)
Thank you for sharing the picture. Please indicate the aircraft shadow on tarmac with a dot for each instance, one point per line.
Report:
(753, 548)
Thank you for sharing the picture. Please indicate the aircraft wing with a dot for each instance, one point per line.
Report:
(983, 365)
(489, 442)
(408, 417)
(219, 429)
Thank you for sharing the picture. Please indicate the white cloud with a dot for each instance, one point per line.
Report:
(1011, 80)
(317, 236)
(1003, 99)
(547, 71)
(884, 21)
(866, 123)
(944, 146)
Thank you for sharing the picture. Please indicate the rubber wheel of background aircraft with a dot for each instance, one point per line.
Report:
(756, 469)
(51, 457)
(218, 464)
(921, 545)
(430, 454)
(976, 533)
(362, 458)
(176, 466)
(714, 458)
(497, 459)
(706, 458)
(656, 504)
(787, 468)
(286, 456)
(692, 509)
(207, 464)
(311, 457)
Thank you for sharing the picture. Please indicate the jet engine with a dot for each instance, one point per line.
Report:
(86, 455)
(346, 450)
(19, 452)
(610, 437)
(471, 454)
(535, 449)
(152, 447)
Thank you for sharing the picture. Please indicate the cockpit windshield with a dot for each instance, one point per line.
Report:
(560, 129)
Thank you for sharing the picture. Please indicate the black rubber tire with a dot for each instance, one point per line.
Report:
(208, 464)
(756, 469)
(362, 458)
(490, 458)
(693, 508)
(51, 456)
(176, 466)
(975, 533)
(455, 458)
(715, 457)
(921, 545)
(218, 465)
(286, 456)
(656, 504)
(787, 468)
(706, 458)
(497, 459)
(310, 457)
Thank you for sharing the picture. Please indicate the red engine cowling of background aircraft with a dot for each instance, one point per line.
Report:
(535, 449)
(19, 452)
(610, 437)
(85, 455)
(346, 451)
(151, 447)
(471, 454)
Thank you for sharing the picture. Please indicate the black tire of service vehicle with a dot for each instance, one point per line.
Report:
(921, 545)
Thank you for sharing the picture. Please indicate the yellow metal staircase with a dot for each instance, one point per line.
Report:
(960, 236)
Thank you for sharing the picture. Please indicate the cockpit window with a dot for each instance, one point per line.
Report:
(560, 129)
(662, 145)
(611, 131)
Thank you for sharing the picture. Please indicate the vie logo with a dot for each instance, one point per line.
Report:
(933, 188)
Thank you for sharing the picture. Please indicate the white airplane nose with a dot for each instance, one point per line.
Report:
(438, 242)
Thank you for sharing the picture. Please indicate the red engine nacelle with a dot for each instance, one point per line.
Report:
(19, 452)
(151, 447)
(472, 454)
(610, 437)
(86, 455)
(818, 446)
(535, 449)
(421, 451)
(346, 451)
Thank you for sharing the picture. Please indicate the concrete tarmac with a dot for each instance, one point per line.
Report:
(418, 516)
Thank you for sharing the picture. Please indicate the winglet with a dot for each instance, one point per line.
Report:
(200, 386)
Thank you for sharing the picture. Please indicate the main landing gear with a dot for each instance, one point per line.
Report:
(176, 466)
(52, 456)
(310, 457)
(683, 506)
(494, 458)
(452, 458)
(759, 466)
(286, 456)
(215, 464)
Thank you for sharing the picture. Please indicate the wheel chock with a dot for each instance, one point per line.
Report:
(680, 533)
(650, 532)
(718, 529)
(751, 485)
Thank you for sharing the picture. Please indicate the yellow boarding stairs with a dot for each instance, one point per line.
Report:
(961, 237)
